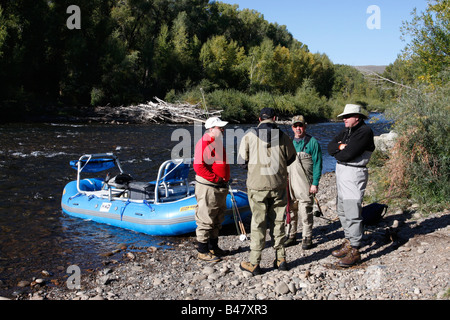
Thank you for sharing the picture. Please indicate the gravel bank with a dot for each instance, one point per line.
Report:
(405, 257)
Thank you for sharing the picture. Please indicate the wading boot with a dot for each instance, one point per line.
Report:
(290, 242)
(353, 257)
(205, 255)
(280, 264)
(307, 243)
(213, 245)
(208, 257)
(253, 269)
(343, 250)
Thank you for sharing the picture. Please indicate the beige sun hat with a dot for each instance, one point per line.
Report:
(353, 109)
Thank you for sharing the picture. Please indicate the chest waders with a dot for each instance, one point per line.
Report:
(300, 179)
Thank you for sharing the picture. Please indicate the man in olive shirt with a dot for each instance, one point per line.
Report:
(266, 152)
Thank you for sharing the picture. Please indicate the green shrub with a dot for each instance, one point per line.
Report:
(419, 165)
(241, 107)
(236, 106)
(97, 96)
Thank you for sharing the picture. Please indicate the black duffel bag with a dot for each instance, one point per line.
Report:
(373, 213)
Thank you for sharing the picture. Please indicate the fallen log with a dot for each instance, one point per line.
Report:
(153, 112)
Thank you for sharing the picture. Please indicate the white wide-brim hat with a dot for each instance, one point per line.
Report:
(353, 109)
(215, 122)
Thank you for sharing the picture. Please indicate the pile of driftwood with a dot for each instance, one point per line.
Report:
(153, 112)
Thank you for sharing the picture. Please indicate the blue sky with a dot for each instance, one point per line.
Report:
(339, 29)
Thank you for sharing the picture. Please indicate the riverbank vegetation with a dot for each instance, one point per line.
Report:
(128, 52)
(418, 167)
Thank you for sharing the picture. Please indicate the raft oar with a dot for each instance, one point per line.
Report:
(288, 210)
(236, 215)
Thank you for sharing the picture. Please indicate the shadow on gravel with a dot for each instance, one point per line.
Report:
(378, 240)
(406, 230)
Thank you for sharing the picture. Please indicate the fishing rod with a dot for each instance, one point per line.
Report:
(319, 213)
(237, 216)
(288, 209)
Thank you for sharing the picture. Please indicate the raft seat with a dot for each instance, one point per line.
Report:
(176, 193)
(96, 187)
(176, 175)
(93, 184)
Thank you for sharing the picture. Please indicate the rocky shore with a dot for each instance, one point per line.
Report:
(405, 257)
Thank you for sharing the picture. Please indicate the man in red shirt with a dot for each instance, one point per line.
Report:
(213, 174)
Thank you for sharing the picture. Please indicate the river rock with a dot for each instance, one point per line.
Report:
(208, 270)
(46, 273)
(282, 288)
(23, 283)
(199, 277)
(292, 288)
(214, 276)
(105, 279)
(130, 256)
(386, 141)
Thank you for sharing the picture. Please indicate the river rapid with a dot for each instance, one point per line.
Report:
(35, 234)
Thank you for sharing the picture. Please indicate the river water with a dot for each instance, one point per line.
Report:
(36, 235)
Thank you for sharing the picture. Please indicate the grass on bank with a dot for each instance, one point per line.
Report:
(241, 107)
(417, 169)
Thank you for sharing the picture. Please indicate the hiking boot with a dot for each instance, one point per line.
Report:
(343, 250)
(253, 269)
(219, 252)
(353, 257)
(208, 257)
(307, 243)
(204, 254)
(280, 264)
(213, 245)
(290, 242)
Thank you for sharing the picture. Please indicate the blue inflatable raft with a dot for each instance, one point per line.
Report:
(165, 207)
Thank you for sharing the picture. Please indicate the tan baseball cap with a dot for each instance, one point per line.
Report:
(298, 119)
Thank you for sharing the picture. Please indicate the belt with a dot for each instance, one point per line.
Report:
(217, 186)
(350, 165)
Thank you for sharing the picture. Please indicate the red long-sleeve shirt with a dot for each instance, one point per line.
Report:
(210, 161)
